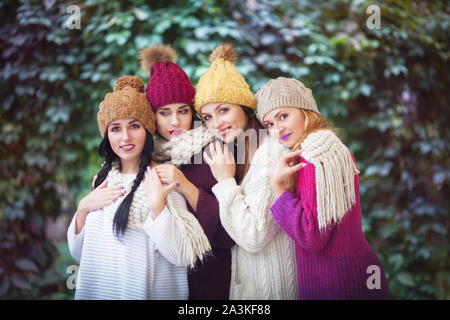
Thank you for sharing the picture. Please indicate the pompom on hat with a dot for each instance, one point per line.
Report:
(284, 92)
(128, 101)
(222, 82)
(168, 82)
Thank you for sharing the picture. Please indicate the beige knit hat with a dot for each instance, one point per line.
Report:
(284, 92)
(127, 101)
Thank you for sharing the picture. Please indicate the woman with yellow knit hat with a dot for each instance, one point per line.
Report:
(132, 234)
(263, 261)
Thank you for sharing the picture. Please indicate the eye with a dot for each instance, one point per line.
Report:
(184, 111)
(269, 125)
(162, 113)
(135, 126)
(223, 110)
(115, 129)
(283, 116)
(207, 117)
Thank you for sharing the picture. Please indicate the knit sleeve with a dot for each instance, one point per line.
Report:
(162, 230)
(245, 211)
(75, 241)
(297, 214)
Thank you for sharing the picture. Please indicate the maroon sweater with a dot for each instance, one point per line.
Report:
(338, 262)
(210, 279)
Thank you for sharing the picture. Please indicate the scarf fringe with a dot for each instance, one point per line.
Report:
(335, 172)
(193, 242)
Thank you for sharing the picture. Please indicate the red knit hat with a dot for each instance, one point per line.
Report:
(168, 82)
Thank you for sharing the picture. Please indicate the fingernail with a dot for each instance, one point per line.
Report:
(178, 184)
(122, 187)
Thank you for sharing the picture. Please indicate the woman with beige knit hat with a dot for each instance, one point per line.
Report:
(132, 234)
(318, 204)
(263, 260)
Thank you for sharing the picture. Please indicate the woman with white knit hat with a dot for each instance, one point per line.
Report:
(318, 203)
(263, 260)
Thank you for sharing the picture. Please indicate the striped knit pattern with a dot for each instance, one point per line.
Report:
(142, 265)
(333, 263)
(263, 261)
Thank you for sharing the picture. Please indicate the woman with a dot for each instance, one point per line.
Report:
(171, 94)
(318, 198)
(132, 234)
(263, 261)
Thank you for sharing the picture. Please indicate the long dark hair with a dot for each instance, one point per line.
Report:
(253, 123)
(105, 151)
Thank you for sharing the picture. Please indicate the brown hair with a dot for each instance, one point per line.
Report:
(313, 122)
(253, 123)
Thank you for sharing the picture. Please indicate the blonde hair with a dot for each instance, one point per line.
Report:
(313, 122)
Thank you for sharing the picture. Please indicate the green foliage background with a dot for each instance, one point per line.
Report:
(387, 89)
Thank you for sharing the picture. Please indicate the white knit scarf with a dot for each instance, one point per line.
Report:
(335, 174)
(180, 149)
(193, 242)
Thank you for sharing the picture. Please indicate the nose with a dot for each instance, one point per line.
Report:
(125, 134)
(217, 123)
(277, 130)
(174, 120)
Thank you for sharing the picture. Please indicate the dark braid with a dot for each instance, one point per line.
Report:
(105, 151)
(120, 221)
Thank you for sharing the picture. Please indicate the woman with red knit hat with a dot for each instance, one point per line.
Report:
(180, 145)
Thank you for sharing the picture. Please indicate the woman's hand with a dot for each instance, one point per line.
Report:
(221, 162)
(168, 174)
(284, 171)
(100, 197)
(156, 191)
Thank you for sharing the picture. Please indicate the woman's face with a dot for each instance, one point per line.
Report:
(127, 139)
(286, 124)
(224, 120)
(173, 119)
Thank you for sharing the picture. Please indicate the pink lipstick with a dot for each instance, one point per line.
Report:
(176, 132)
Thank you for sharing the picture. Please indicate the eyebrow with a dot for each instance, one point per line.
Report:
(118, 124)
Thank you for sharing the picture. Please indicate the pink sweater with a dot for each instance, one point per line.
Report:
(335, 263)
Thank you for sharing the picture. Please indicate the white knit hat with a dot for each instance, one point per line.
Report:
(284, 92)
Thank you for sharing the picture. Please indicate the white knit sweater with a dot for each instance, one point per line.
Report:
(143, 265)
(263, 261)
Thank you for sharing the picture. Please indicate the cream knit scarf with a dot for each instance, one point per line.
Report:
(179, 150)
(193, 242)
(335, 174)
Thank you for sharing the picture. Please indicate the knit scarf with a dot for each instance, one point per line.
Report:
(180, 149)
(193, 242)
(335, 174)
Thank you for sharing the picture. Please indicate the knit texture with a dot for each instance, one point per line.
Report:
(284, 92)
(168, 82)
(128, 101)
(222, 82)
(180, 149)
(211, 278)
(335, 171)
(193, 242)
(263, 261)
(142, 265)
(332, 263)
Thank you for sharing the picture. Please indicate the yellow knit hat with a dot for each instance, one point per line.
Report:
(222, 82)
